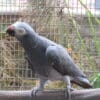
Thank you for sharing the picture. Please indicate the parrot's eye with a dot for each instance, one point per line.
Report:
(21, 30)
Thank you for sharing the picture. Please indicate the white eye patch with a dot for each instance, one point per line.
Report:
(20, 31)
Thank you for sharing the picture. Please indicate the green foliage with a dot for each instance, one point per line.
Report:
(95, 80)
(92, 21)
(92, 31)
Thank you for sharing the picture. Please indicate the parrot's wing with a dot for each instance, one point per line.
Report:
(60, 60)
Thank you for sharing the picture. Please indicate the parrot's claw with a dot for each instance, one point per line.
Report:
(68, 93)
(34, 91)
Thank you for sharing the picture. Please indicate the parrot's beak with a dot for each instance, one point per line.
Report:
(10, 30)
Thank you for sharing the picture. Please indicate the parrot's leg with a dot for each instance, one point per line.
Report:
(38, 88)
(68, 87)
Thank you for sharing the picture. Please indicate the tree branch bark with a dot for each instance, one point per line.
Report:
(90, 94)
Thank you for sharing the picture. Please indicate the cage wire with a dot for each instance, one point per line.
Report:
(71, 23)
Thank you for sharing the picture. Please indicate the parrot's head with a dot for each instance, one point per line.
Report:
(19, 30)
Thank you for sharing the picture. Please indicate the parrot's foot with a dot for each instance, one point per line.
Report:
(68, 93)
(35, 90)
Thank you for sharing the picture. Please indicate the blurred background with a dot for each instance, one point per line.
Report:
(75, 24)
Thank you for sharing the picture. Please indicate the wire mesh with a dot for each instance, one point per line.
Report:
(67, 22)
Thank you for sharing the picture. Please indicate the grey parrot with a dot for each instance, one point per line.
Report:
(50, 60)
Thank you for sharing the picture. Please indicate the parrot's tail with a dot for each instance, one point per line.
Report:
(82, 81)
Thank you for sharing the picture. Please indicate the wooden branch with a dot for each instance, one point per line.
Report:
(91, 94)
